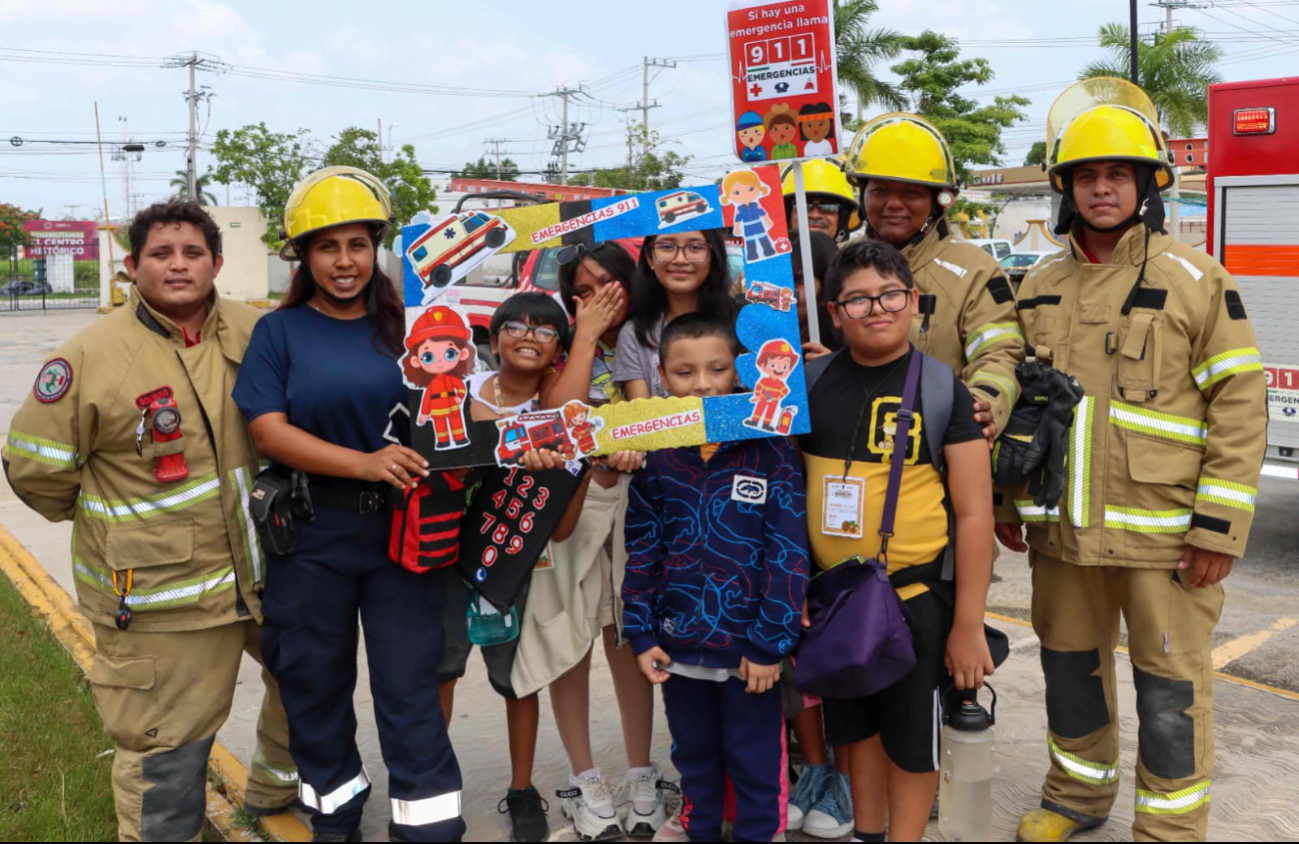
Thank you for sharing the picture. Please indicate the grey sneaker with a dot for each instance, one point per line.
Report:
(648, 812)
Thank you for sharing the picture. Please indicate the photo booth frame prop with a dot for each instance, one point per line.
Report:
(440, 350)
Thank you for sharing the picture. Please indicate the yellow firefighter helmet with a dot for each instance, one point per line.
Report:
(332, 197)
(903, 148)
(1104, 119)
(825, 176)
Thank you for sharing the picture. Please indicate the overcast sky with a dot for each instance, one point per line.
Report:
(507, 47)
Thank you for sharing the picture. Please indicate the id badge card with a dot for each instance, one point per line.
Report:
(842, 507)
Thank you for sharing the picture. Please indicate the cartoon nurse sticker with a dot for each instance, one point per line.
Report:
(577, 417)
(750, 131)
(744, 190)
(816, 124)
(439, 354)
(776, 360)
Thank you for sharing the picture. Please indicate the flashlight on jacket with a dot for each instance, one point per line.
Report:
(164, 424)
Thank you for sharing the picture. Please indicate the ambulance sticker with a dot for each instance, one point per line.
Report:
(53, 382)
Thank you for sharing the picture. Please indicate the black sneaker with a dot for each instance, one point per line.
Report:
(527, 810)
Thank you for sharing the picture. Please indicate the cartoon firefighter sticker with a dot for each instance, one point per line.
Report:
(776, 360)
(439, 354)
(577, 418)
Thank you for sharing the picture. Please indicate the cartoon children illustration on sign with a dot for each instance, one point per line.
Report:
(750, 130)
(816, 123)
(744, 190)
(782, 128)
(439, 354)
(581, 428)
(776, 360)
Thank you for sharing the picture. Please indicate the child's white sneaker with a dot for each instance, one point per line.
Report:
(647, 811)
(590, 806)
(671, 830)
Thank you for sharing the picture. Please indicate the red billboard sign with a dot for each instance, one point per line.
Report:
(782, 65)
(62, 237)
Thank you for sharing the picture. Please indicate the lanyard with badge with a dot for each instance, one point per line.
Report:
(844, 499)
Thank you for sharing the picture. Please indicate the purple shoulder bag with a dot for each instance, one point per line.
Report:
(859, 643)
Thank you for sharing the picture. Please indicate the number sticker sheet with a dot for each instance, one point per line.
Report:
(442, 340)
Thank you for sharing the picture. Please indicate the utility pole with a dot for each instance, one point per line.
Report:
(496, 142)
(1132, 43)
(192, 97)
(72, 209)
(568, 136)
(645, 104)
(378, 139)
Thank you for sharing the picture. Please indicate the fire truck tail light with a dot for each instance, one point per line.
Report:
(1253, 121)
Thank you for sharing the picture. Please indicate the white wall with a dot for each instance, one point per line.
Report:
(245, 273)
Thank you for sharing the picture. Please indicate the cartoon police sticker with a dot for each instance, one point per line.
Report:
(53, 382)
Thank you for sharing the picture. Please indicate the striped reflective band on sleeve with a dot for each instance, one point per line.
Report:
(328, 804)
(49, 452)
(1230, 494)
(1093, 773)
(1080, 463)
(1181, 429)
(1148, 521)
(1186, 265)
(1178, 803)
(1008, 387)
(168, 596)
(1030, 512)
(247, 529)
(1225, 365)
(282, 776)
(444, 807)
(955, 269)
(988, 335)
(171, 501)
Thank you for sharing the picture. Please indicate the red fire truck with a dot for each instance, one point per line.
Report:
(1253, 187)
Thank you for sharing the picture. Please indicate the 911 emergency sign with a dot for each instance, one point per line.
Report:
(1282, 392)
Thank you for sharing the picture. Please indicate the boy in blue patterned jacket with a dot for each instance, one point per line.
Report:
(716, 576)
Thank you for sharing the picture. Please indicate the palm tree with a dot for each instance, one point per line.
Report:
(181, 184)
(859, 49)
(1175, 70)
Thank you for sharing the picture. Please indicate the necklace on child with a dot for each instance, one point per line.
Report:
(866, 402)
(500, 399)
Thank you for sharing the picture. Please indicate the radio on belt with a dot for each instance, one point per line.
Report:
(159, 410)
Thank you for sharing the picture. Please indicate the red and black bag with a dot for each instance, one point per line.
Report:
(426, 524)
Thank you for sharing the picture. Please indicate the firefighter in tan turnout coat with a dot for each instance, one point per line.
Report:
(904, 169)
(130, 432)
(1163, 463)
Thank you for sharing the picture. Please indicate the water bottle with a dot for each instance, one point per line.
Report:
(965, 781)
(487, 625)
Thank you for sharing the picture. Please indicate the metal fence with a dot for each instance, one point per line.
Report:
(47, 283)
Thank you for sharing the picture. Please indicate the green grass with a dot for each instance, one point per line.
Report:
(85, 274)
(54, 783)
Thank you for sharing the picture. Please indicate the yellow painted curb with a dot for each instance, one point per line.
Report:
(74, 632)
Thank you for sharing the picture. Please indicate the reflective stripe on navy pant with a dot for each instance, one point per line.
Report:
(311, 603)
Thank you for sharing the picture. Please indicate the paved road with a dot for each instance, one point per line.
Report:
(1257, 744)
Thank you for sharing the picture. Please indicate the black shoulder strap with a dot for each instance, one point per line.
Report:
(937, 386)
(817, 368)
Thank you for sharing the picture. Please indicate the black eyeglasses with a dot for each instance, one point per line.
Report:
(519, 330)
(861, 306)
(696, 252)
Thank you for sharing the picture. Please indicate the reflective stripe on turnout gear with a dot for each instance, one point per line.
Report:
(247, 529)
(328, 804)
(1240, 496)
(1030, 512)
(444, 807)
(280, 775)
(1178, 803)
(986, 335)
(49, 452)
(1226, 364)
(1080, 462)
(1177, 520)
(167, 596)
(1166, 425)
(1093, 773)
(171, 501)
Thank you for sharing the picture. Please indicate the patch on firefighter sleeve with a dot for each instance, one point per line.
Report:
(1000, 289)
(1235, 307)
(53, 382)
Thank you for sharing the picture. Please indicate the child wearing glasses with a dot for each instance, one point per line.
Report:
(529, 331)
(854, 404)
(676, 274)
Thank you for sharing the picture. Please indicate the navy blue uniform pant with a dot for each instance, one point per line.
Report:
(311, 602)
(719, 728)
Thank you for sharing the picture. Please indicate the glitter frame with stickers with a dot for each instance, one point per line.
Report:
(645, 424)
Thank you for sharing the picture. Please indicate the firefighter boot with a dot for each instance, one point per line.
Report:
(1046, 825)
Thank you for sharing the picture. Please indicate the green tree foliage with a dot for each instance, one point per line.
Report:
(858, 49)
(269, 163)
(11, 227)
(652, 168)
(484, 169)
(181, 184)
(1175, 68)
(411, 190)
(931, 77)
(1036, 155)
